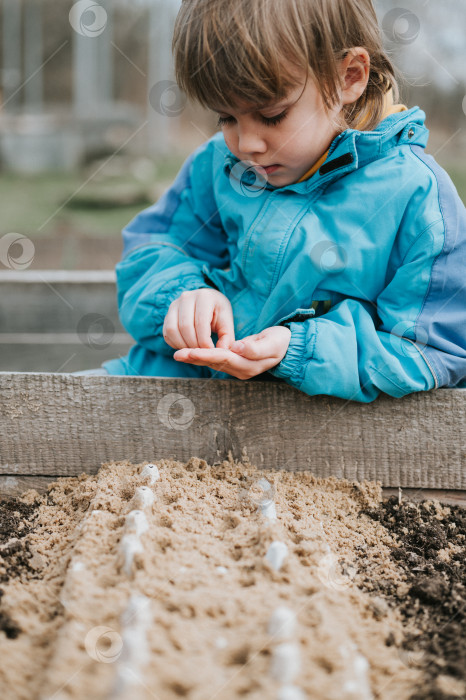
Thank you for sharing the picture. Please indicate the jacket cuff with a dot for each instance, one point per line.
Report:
(293, 365)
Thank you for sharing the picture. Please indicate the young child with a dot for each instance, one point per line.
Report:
(312, 237)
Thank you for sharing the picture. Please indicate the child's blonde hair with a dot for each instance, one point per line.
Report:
(225, 50)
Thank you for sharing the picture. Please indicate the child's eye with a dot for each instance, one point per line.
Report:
(269, 121)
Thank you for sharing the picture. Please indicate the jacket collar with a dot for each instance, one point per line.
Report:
(348, 151)
(388, 108)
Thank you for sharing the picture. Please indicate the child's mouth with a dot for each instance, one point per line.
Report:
(269, 168)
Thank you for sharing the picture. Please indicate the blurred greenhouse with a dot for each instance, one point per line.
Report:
(93, 126)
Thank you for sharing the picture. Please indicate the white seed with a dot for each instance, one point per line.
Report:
(135, 621)
(361, 664)
(222, 570)
(221, 643)
(357, 683)
(150, 473)
(282, 623)
(266, 487)
(136, 522)
(130, 550)
(136, 611)
(286, 662)
(268, 510)
(77, 566)
(143, 497)
(276, 554)
(290, 692)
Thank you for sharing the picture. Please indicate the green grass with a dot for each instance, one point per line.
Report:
(36, 205)
(458, 175)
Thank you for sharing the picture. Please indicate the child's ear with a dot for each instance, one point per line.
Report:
(354, 72)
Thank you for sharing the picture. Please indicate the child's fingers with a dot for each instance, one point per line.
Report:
(186, 320)
(202, 322)
(224, 326)
(170, 331)
(253, 347)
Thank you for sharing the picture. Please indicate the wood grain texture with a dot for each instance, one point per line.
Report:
(61, 425)
(59, 320)
(56, 301)
(11, 486)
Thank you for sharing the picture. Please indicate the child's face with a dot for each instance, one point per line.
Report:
(301, 134)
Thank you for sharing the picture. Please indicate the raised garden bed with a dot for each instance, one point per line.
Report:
(183, 579)
(263, 562)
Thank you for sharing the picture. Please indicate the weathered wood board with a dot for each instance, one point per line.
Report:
(61, 425)
(59, 320)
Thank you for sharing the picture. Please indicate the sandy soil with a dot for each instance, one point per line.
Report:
(93, 606)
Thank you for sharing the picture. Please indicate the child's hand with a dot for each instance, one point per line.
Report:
(261, 352)
(192, 318)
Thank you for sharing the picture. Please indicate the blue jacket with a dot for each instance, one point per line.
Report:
(364, 261)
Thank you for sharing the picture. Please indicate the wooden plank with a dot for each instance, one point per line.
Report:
(58, 301)
(58, 276)
(60, 357)
(11, 486)
(52, 424)
(58, 320)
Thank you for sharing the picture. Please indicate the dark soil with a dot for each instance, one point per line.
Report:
(16, 522)
(432, 553)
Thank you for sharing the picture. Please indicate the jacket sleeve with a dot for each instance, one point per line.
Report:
(168, 249)
(412, 339)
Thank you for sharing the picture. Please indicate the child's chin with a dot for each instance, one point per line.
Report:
(280, 180)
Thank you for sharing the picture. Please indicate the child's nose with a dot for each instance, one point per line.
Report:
(250, 141)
